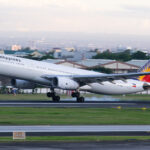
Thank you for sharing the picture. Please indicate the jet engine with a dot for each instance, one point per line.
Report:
(22, 84)
(146, 86)
(65, 83)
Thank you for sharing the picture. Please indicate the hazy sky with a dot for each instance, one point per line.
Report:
(92, 16)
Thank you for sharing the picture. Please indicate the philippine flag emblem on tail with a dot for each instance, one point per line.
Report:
(133, 85)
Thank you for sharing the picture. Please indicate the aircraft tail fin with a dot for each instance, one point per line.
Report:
(145, 68)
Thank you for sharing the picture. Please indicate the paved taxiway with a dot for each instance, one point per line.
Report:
(74, 104)
(126, 145)
(78, 130)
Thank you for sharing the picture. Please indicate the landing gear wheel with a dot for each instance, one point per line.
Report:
(56, 98)
(49, 94)
(75, 94)
(80, 99)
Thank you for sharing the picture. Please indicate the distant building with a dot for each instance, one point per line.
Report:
(82, 55)
(65, 63)
(120, 67)
(94, 62)
(15, 47)
(23, 53)
(139, 63)
(1, 51)
(36, 54)
(63, 54)
(115, 66)
(9, 52)
(71, 54)
(20, 54)
(71, 64)
(57, 52)
(70, 49)
(53, 61)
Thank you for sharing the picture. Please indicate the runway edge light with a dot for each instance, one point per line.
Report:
(119, 107)
(144, 108)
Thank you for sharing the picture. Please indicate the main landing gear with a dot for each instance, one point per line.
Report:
(55, 98)
(77, 95)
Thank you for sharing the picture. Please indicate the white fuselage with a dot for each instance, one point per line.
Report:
(31, 70)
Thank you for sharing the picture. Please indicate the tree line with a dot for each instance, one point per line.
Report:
(122, 56)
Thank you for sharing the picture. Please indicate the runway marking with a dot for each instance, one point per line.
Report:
(78, 128)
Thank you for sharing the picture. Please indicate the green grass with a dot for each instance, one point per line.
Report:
(24, 97)
(73, 116)
(44, 97)
(88, 138)
(77, 138)
(38, 96)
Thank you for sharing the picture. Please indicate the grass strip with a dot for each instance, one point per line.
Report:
(78, 138)
(74, 116)
(39, 96)
(87, 96)
(88, 138)
(24, 97)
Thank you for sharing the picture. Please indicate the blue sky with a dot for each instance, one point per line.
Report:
(89, 16)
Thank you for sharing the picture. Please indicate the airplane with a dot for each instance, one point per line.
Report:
(26, 73)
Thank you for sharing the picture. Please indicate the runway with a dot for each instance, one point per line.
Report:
(99, 145)
(74, 104)
(109, 130)
(79, 130)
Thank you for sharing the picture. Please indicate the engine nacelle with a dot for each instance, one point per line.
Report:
(146, 86)
(65, 83)
(22, 84)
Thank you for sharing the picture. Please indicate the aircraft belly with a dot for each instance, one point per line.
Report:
(110, 88)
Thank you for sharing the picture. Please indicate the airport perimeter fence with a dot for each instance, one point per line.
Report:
(10, 90)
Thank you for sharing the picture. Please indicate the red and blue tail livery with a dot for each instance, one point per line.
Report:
(145, 68)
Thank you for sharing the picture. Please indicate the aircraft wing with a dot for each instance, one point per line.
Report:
(99, 77)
